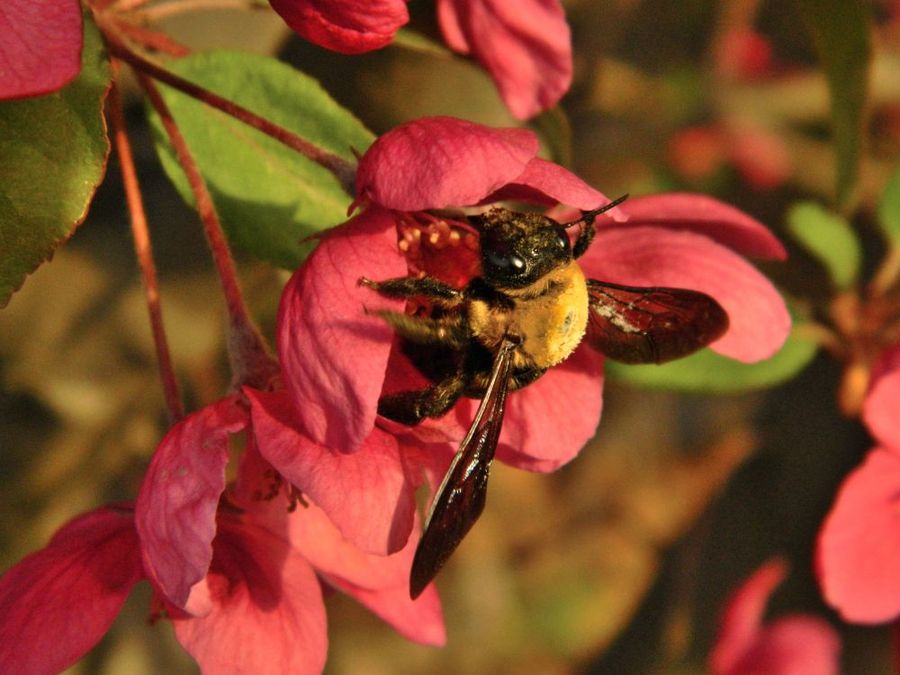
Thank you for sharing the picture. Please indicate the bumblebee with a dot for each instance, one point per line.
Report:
(528, 310)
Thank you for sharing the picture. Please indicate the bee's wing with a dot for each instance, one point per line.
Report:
(461, 496)
(651, 325)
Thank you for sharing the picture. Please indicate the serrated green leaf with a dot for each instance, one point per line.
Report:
(889, 209)
(53, 152)
(269, 197)
(829, 238)
(841, 33)
(707, 371)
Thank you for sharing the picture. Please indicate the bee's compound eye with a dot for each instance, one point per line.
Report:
(562, 241)
(510, 262)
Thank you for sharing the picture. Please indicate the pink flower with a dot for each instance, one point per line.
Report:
(858, 554)
(183, 522)
(759, 156)
(40, 46)
(796, 644)
(347, 26)
(238, 571)
(524, 46)
(743, 54)
(686, 241)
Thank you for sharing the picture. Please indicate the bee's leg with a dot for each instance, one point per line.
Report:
(411, 287)
(448, 330)
(525, 377)
(517, 380)
(410, 407)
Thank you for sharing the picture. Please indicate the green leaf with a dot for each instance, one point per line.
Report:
(840, 30)
(707, 371)
(829, 238)
(53, 152)
(268, 196)
(889, 209)
(417, 42)
(554, 127)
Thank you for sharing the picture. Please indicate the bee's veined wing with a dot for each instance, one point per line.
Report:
(461, 496)
(651, 325)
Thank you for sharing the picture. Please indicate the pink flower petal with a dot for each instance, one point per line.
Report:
(793, 645)
(452, 31)
(653, 256)
(40, 46)
(381, 583)
(704, 215)
(546, 183)
(420, 620)
(175, 513)
(880, 406)
(858, 552)
(549, 422)
(743, 616)
(58, 602)
(346, 26)
(439, 162)
(333, 354)
(525, 47)
(367, 494)
(267, 613)
(761, 157)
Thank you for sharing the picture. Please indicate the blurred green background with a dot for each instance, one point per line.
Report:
(619, 562)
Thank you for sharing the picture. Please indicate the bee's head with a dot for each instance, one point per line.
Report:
(517, 249)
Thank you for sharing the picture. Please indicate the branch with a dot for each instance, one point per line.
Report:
(144, 253)
(251, 360)
(343, 170)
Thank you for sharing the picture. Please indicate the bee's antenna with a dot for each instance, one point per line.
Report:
(587, 217)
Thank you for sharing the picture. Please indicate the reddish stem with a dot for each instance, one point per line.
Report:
(144, 253)
(250, 357)
(152, 39)
(343, 170)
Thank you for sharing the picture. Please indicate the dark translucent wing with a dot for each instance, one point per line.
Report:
(460, 499)
(651, 325)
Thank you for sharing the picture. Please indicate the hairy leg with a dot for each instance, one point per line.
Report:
(410, 407)
(410, 287)
(450, 331)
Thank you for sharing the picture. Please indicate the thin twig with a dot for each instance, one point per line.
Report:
(250, 357)
(144, 253)
(343, 170)
(152, 39)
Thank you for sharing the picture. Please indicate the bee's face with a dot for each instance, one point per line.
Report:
(517, 249)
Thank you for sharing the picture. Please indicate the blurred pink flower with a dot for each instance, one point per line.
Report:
(760, 157)
(40, 46)
(743, 54)
(238, 571)
(796, 644)
(524, 46)
(681, 240)
(858, 554)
